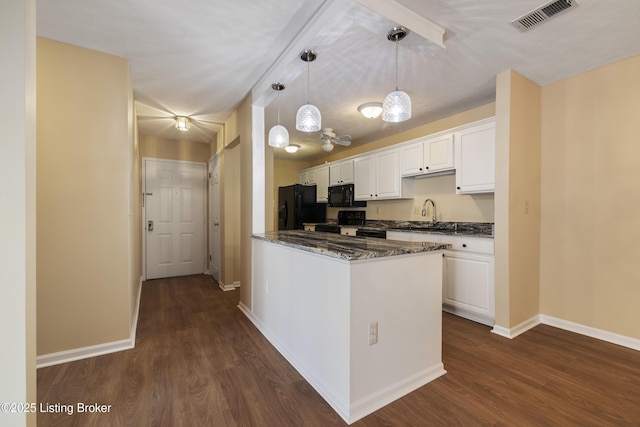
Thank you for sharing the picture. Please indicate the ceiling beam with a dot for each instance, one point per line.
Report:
(407, 18)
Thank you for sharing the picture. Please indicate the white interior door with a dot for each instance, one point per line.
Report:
(174, 218)
(214, 217)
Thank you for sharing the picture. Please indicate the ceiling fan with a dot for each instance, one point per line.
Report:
(328, 138)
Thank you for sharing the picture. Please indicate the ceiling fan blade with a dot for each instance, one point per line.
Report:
(343, 143)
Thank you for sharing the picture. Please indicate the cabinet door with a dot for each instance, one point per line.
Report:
(312, 177)
(412, 159)
(322, 185)
(387, 173)
(468, 283)
(438, 153)
(363, 178)
(335, 174)
(302, 177)
(346, 172)
(475, 159)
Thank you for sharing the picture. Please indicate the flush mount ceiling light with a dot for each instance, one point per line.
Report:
(397, 104)
(278, 135)
(308, 118)
(183, 123)
(371, 110)
(291, 148)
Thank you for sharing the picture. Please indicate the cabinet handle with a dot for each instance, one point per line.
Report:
(420, 168)
(427, 167)
(464, 245)
(458, 188)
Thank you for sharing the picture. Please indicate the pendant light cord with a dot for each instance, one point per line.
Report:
(396, 63)
(308, 86)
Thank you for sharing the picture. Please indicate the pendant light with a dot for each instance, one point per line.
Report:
(278, 135)
(308, 118)
(397, 104)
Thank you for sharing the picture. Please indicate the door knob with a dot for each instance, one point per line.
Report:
(150, 225)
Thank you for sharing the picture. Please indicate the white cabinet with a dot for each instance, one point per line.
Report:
(428, 155)
(341, 173)
(308, 176)
(348, 231)
(475, 158)
(468, 281)
(322, 184)
(377, 177)
(318, 176)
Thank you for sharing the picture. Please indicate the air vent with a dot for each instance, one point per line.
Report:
(543, 13)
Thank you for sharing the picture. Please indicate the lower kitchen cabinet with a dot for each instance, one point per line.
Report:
(468, 278)
(468, 286)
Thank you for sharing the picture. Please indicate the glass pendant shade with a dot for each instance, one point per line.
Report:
(278, 136)
(308, 118)
(396, 107)
(183, 124)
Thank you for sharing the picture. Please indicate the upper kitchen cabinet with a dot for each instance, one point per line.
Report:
(341, 173)
(318, 176)
(308, 176)
(377, 177)
(427, 156)
(475, 158)
(322, 184)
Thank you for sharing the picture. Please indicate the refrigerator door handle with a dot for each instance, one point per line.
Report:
(285, 207)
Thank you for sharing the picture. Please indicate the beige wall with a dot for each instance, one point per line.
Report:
(173, 149)
(84, 200)
(590, 208)
(231, 178)
(18, 208)
(245, 131)
(517, 199)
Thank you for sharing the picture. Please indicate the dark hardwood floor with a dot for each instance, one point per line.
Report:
(198, 361)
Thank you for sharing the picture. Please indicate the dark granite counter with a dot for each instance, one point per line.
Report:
(349, 248)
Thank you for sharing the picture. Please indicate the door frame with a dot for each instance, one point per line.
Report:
(212, 200)
(143, 218)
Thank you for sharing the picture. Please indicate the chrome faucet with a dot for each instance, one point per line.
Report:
(433, 210)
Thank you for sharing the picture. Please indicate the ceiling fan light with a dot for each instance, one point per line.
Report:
(291, 148)
(278, 136)
(308, 118)
(396, 107)
(327, 146)
(183, 123)
(371, 110)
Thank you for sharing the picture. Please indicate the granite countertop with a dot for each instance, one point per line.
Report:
(349, 248)
(469, 229)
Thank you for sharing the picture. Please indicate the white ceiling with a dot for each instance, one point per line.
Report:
(202, 57)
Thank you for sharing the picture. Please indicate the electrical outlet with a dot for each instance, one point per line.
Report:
(416, 210)
(266, 287)
(373, 333)
(526, 207)
(377, 209)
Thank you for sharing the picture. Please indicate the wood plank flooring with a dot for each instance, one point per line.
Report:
(199, 362)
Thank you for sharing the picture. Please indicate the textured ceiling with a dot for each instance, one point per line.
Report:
(201, 58)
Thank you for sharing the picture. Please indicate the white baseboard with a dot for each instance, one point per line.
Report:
(599, 334)
(567, 325)
(518, 329)
(230, 287)
(94, 350)
(372, 403)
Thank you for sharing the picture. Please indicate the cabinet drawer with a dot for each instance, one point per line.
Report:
(469, 244)
(347, 231)
(309, 228)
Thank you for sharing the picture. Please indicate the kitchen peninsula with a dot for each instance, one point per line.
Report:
(359, 318)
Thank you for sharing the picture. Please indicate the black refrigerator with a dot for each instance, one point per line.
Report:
(297, 205)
